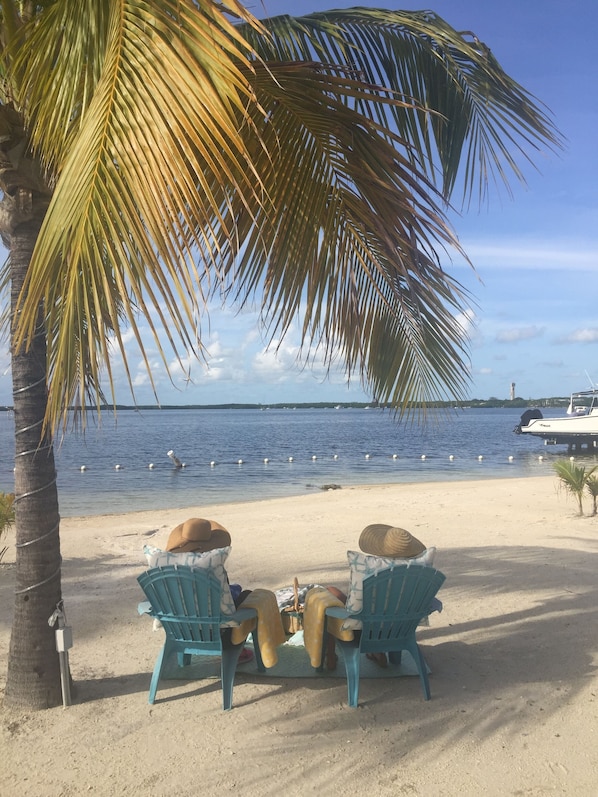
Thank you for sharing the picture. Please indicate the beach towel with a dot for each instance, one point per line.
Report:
(269, 625)
(316, 602)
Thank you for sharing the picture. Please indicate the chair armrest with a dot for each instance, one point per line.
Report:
(144, 607)
(436, 605)
(342, 614)
(338, 611)
(240, 615)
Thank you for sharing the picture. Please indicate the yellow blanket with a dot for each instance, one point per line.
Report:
(317, 601)
(270, 632)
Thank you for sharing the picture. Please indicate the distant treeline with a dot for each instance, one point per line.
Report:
(518, 403)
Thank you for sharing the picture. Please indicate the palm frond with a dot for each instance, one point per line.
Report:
(573, 478)
(351, 238)
(297, 161)
(145, 174)
(467, 116)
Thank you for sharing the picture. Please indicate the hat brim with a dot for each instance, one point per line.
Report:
(380, 539)
(178, 543)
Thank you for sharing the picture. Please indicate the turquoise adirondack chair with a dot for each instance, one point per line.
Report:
(395, 601)
(187, 604)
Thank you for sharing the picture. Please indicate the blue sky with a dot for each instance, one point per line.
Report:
(536, 254)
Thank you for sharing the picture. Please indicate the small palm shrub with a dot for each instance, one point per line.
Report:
(592, 488)
(7, 516)
(574, 478)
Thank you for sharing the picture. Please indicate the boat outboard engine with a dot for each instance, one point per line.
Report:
(528, 415)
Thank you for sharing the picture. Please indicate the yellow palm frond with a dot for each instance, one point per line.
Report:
(145, 174)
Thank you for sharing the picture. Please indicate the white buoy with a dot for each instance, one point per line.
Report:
(314, 457)
(423, 456)
(335, 456)
(266, 460)
(118, 467)
(540, 458)
(290, 459)
(83, 467)
(174, 458)
(480, 458)
(367, 456)
(212, 464)
(239, 462)
(151, 466)
(451, 457)
(395, 456)
(510, 458)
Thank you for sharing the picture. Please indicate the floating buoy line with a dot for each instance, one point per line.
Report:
(180, 465)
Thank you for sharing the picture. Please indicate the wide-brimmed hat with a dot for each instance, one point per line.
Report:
(380, 539)
(198, 534)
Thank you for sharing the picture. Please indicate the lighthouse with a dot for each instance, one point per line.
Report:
(512, 391)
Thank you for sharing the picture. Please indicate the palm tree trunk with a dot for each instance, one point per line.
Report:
(33, 680)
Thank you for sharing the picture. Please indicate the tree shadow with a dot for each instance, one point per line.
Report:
(492, 667)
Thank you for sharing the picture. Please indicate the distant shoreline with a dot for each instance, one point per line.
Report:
(518, 403)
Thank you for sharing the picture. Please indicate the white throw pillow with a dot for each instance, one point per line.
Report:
(212, 560)
(362, 566)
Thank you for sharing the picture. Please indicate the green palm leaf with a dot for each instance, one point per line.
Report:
(471, 116)
(574, 478)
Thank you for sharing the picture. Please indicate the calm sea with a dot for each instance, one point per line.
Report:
(240, 455)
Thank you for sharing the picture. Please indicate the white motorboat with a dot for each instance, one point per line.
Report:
(577, 428)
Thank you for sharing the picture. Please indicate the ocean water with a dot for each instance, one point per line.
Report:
(240, 455)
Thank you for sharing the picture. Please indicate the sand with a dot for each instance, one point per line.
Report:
(513, 659)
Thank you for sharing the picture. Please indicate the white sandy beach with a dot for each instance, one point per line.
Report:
(514, 656)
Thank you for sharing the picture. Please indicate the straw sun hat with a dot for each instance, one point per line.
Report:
(380, 539)
(198, 534)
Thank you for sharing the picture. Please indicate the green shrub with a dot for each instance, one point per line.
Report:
(7, 516)
(574, 479)
(592, 488)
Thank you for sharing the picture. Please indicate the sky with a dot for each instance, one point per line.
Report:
(535, 254)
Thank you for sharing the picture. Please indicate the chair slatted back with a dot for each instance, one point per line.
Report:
(396, 600)
(185, 601)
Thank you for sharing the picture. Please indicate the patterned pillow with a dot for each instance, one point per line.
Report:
(362, 566)
(213, 560)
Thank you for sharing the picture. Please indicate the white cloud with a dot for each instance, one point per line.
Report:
(525, 253)
(588, 335)
(278, 362)
(519, 333)
(141, 379)
(468, 322)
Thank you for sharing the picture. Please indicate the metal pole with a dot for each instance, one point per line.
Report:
(64, 641)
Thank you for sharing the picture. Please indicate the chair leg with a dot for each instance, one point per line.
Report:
(352, 655)
(228, 666)
(258, 653)
(328, 649)
(422, 669)
(160, 662)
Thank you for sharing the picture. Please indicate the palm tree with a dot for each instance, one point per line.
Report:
(574, 478)
(154, 155)
(592, 488)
